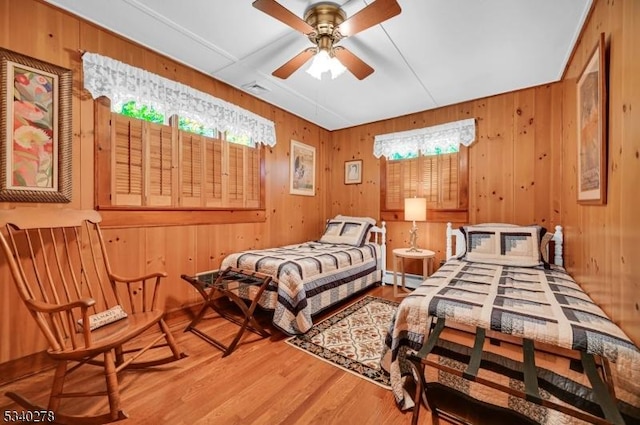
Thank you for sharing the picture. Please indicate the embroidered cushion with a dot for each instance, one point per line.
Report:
(506, 245)
(105, 317)
(346, 231)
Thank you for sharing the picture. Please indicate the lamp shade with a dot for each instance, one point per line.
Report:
(415, 209)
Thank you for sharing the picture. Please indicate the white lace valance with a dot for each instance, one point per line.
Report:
(122, 83)
(426, 139)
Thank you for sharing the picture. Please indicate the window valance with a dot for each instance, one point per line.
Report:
(425, 139)
(122, 83)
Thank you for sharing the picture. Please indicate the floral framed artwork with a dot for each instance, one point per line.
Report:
(592, 128)
(302, 170)
(353, 172)
(35, 127)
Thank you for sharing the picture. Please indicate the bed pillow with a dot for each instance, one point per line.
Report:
(505, 245)
(346, 231)
(365, 219)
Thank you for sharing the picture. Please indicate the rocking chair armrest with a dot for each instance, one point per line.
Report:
(40, 306)
(121, 279)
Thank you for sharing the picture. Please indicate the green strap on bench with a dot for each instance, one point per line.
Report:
(431, 341)
(476, 356)
(530, 373)
(603, 396)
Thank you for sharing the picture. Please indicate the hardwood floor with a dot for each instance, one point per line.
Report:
(265, 381)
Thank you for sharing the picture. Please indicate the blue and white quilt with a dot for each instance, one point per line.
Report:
(307, 278)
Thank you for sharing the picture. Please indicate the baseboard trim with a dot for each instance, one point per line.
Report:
(411, 280)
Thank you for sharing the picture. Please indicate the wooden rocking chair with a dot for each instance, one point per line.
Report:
(59, 263)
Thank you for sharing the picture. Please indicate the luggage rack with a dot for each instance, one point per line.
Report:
(227, 283)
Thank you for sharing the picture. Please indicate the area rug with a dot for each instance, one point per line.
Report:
(353, 338)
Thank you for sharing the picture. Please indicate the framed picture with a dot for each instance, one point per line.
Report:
(592, 128)
(35, 127)
(302, 170)
(353, 172)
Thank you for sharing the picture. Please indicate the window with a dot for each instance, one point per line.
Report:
(442, 178)
(146, 165)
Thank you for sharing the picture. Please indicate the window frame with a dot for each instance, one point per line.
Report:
(436, 215)
(142, 216)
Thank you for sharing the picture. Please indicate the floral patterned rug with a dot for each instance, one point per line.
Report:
(353, 338)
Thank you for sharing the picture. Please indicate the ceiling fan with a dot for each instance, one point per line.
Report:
(325, 24)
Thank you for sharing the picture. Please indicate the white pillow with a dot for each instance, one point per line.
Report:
(347, 217)
(346, 231)
(105, 317)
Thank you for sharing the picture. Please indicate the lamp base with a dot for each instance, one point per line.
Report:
(413, 236)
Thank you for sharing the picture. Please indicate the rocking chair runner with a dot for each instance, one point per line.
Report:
(59, 264)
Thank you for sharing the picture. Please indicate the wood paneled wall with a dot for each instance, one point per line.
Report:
(602, 242)
(513, 164)
(59, 38)
(522, 168)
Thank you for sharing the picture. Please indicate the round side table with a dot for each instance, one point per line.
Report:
(399, 254)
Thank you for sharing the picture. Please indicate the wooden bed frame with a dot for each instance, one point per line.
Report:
(596, 369)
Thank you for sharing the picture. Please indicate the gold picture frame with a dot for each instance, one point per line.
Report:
(35, 130)
(302, 169)
(591, 93)
(353, 172)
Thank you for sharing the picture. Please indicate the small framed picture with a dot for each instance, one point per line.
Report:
(353, 172)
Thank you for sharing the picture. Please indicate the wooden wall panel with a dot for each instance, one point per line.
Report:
(510, 177)
(602, 241)
(178, 249)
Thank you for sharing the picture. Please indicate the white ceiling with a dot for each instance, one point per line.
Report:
(435, 53)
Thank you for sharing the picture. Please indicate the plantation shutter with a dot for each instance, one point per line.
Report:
(158, 142)
(154, 165)
(127, 160)
(213, 172)
(192, 170)
(252, 176)
(448, 172)
(434, 177)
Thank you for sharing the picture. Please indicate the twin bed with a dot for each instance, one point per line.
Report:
(499, 281)
(311, 277)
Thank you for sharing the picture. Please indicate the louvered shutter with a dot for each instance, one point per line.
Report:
(393, 196)
(252, 176)
(449, 188)
(235, 175)
(213, 172)
(192, 176)
(127, 160)
(159, 164)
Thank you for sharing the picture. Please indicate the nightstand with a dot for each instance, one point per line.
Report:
(399, 254)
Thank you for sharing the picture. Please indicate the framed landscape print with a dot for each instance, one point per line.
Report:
(302, 169)
(35, 127)
(592, 128)
(353, 172)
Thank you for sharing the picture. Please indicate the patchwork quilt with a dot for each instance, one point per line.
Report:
(544, 305)
(307, 278)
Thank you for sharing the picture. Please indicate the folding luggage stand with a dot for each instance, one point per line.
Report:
(228, 283)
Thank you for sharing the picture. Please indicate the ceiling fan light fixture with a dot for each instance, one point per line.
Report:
(323, 62)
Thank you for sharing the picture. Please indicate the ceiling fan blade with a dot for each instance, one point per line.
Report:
(353, 63)
(373, 14)
(276, 10)
(293, 64)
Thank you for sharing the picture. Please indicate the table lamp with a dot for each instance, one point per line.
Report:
(415, 209)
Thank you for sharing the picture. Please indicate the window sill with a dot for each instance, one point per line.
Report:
(135, 217)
